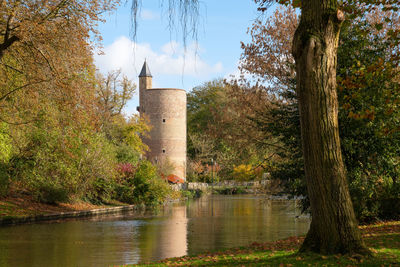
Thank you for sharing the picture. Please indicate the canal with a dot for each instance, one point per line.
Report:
(206, 224)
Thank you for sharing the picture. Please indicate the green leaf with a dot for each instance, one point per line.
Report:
(379, 26)
(296, 3)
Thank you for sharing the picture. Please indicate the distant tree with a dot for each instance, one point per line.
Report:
(113, 92)
(219, 126)
(267, 59)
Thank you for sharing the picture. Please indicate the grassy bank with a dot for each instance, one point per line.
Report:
(383, 239)
(22, 206)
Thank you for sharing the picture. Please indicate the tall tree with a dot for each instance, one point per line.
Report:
(333, 227)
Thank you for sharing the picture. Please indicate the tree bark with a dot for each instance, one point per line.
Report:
(333, 227)
(6, 44)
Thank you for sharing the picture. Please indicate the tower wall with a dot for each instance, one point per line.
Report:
(144, 84)
(166, 109)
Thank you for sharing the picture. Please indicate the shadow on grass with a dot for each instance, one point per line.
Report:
(391, 240)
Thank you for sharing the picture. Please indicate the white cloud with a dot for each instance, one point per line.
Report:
(173, 59)
(147, 14)
(172, 62)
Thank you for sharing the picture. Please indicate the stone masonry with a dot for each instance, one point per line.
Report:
(166, 110)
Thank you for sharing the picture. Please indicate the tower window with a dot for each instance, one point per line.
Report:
(163, 151)
(163, 120)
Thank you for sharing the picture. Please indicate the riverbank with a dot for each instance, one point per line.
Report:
(19, 205)
(21, 208)
(18, 209)
(383, 239)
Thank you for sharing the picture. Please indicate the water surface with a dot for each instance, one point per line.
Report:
(209, 223)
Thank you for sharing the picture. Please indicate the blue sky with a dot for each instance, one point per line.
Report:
(222, 25)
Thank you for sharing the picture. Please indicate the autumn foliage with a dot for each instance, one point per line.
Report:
(368, 91)
(63, 134)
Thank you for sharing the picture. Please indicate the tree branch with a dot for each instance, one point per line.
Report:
(17, 123)
(6, 44)
(19, 88)
(54, 11)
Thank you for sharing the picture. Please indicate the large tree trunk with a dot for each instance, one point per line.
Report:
(333, 227)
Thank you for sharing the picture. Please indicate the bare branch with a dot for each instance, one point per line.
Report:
(19, 88)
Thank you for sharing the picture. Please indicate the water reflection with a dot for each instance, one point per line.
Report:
(206, 224)
(164, 236)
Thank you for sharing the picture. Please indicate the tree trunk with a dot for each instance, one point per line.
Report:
(333, 227)
(6, 44)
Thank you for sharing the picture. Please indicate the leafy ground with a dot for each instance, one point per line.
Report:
(21, 206)
(383, 239)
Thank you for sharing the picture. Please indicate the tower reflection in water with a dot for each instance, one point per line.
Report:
(210, 223)
(164, 236)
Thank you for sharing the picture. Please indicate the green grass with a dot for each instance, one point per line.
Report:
(383, 240)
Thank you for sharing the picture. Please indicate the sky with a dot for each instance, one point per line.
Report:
(222, 25)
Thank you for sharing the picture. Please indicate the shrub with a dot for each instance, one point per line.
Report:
(57, 165)
(165, 167)
(374, 197)
(124, 187)
(101, 191)
(4, 179)
(5, 154)
(244, 172)
(149, 187)
(51, 192)
(126, 154)
(125, 193)
(140, 185)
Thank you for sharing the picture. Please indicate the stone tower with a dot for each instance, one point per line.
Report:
(166, 111)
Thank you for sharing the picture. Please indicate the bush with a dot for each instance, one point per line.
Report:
(4, 179)
(59, 165)
(51, 192)
(141, 185)
(5, 154)
(374, 197)
(165, 167)
(125, 193)
(101, 191)
(149, 187)
(244, 173)
(126, 154)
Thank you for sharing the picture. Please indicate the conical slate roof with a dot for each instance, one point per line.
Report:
(145, 72)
